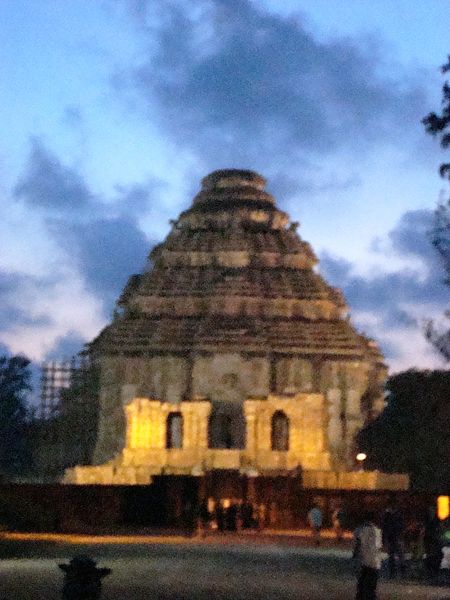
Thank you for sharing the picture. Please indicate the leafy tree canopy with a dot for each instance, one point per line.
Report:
(15, 378)
(439, 125)
(412, 435)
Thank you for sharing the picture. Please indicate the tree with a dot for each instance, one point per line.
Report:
(412, 435)
(439, 125)
(15, 378)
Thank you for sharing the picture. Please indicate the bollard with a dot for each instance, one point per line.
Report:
(82, 579)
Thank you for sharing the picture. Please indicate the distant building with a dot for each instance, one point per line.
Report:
(231, 352)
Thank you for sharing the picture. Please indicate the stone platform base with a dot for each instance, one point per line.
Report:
(116, 474)
(355, 480)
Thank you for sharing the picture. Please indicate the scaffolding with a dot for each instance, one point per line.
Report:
(57, 439)
(57, 376)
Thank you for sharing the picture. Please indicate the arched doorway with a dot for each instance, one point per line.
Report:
(280, 432)
(174, 430)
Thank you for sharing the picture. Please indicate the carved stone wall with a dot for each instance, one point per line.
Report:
(231, 311)
(227, 380)
(146, 453)
(307, 448)
(146, 440)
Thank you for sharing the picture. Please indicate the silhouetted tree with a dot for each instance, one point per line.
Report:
(15, 378)
(412, 435)
(439, 125)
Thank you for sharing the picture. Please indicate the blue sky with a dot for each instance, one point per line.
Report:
(112, 111)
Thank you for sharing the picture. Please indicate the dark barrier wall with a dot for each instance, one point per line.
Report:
(173, 501)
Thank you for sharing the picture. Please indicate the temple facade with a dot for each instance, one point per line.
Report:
(231, 352)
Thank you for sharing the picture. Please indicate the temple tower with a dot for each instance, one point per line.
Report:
(229, 311)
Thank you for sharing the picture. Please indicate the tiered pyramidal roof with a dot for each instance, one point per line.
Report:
(232, 275)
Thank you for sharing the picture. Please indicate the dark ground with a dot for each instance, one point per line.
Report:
(230, 567)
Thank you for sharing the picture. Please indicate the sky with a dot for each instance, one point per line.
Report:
(112, 111)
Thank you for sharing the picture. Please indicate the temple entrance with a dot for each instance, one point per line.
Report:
(226, 430)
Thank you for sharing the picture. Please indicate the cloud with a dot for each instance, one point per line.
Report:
(48, 184)
(13, 286)
(101, 239)
(135, 200)
(291, 187)
(258, 87)
(106, 252)
(392, 306)
(66, 346)
(37, 311)
(97, 244)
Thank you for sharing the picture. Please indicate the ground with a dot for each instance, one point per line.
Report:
(227, 567)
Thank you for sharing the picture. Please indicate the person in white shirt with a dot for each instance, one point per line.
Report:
(367, 551)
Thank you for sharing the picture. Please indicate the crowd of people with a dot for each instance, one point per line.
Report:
(232, 515)
(420, 539)
(423, 538)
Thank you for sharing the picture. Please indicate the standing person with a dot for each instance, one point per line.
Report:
(220, 516)
(393, 529)
(367, 551)
(433, 542)
(315, 519)
(202, 518)
(338, 518)
(246, 514)
(231, 515)
(261, 512)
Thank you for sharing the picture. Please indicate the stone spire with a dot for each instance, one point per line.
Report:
(234, 275)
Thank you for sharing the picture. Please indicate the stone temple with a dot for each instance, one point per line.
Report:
(231, 352)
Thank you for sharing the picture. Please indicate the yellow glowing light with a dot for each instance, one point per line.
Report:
(443, 507)
(140, 431)
(361, 456)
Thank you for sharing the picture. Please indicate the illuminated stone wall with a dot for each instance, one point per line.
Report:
(227, 380)
(146, 453)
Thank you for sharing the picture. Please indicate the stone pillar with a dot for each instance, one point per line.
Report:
(202, 411)
(333, 396)
(157, 437)
(250, 411)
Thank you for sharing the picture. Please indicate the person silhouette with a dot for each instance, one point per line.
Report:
(367, 552)
(82, 578)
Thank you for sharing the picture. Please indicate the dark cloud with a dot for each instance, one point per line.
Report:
(412, 236)
(102, 239)
(67, 346)
(106, 251)
(135, 200)
(244, 87)
(393, 297)
(48, 184)
(336, 269)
